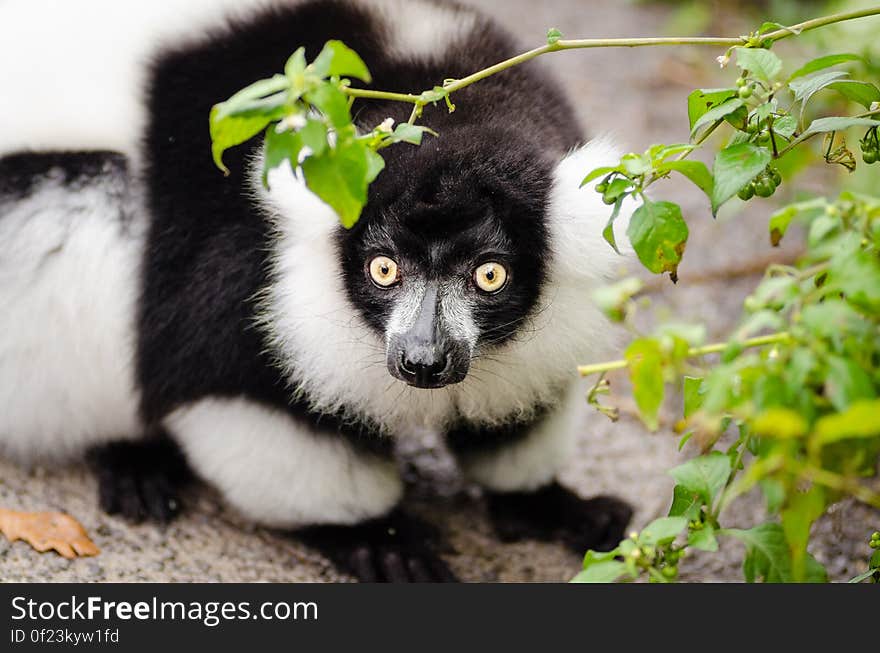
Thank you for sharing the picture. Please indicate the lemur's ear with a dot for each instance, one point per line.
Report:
(577, 214)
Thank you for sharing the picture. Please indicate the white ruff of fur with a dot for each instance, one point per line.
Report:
(278, 472)
(528, 464)
(69, 283)
(336, 362)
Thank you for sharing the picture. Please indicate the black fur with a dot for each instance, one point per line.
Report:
(141, 480)
(206, 256)
(398, 548)
(556, 514)
(22, 172)
(477, 193)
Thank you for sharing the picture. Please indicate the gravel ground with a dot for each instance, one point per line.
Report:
(638, 96)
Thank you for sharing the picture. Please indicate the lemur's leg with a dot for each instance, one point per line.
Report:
(141, 479)
(517, 464)
(290, 473)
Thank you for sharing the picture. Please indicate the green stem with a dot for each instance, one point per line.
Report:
(581, 44)
(801, 139)
(379, 95)
(814, 23)
(693, 352)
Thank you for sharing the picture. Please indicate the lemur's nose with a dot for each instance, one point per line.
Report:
(423, 366)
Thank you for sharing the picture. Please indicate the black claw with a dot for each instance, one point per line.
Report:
(556, 514)
(141, 480)
(394, 549)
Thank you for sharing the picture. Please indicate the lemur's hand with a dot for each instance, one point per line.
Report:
(554, 513)
(141, 480)
(393, 549)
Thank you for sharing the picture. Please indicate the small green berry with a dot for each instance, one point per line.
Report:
(669, 571)
(740, 82)
(870, 156)
(746, 192)
(601, 187)
(875, 535)
(764, 187)
(745, 92)
(775, 176)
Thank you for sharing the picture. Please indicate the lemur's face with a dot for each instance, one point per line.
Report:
(448, 260)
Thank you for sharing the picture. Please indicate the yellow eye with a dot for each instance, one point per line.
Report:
(384, 272)
(490, 277)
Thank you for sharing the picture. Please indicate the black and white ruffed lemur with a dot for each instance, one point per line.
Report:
(166, 318)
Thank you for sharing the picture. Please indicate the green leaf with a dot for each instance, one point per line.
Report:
(553, 35)
(785, 126)
(797, 517)
(860, 420)
(703, 99)
(703, 539)
(864, 93)
(685, 503)
(407, 133)
(635, 164)
(295, 69)
(774, 493)
(607, 571)
(661, 152)
(339, 177)
(231, 131)
(693, 399)
(734, 167)
(780, 220)
(314, 136)
(338, 60)
(279, 147)
(705, 475)
(332, 102)
(821, 63)
(780, 423)
(806, 87)
(599, 172)
(662, 530)
(375, 165)
(768, 556)
(837, 123)
(696, 171)
(645, 361)
(247, 100)
(608, 231)
(658, 234)
(717, 113)
(612, 299)
(847, 383)
(761, 64)
(864, 576)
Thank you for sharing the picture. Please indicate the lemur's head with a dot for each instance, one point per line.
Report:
(450, 254)
(469, 271)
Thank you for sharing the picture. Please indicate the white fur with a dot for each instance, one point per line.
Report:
(277, 471)
(69, 271)
(74, 71)
(419, 29)
(532, 462)
(336, 362)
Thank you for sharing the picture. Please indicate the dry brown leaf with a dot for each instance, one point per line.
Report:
(48, 530)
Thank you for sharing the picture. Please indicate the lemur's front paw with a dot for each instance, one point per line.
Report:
(393, 549)
(554, 513)
(141, 480)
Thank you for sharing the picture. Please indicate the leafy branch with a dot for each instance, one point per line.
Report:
(306, 119)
